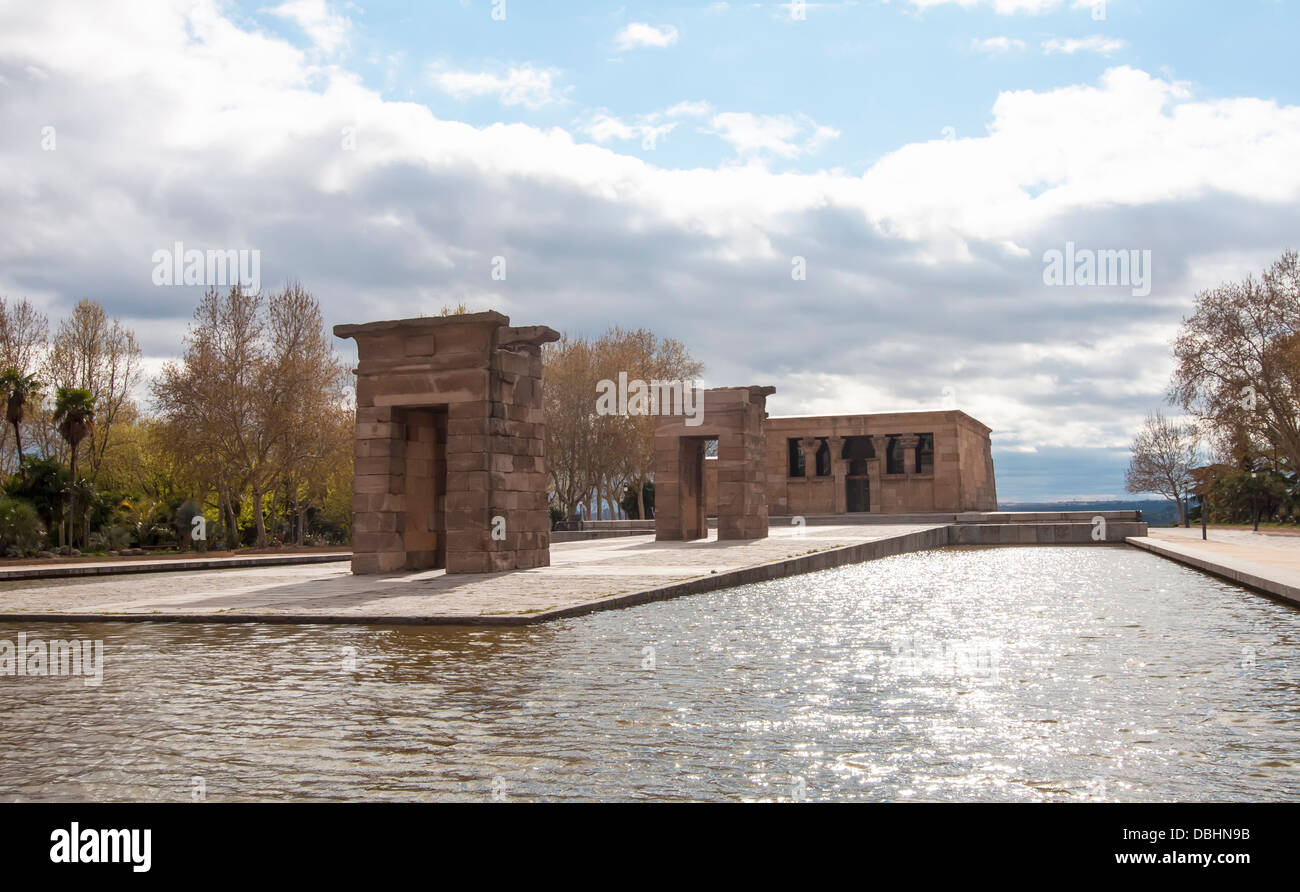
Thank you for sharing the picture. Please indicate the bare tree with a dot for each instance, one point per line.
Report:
(311, 385)
(1164, 456)
(649, 358)
(568, 387)
(255, 404)
(23, 333)
(92, 353)
(214, 400)
(1238, 360)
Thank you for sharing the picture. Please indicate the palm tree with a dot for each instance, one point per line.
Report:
(19, 390)
(74, 414)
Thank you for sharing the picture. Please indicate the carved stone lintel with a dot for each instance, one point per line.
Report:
(524, 336)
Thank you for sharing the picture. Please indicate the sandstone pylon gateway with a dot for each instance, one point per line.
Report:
(450, 445)
(734, 417)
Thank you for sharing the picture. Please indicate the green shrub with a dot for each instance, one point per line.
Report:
(20, 526)
(44, 486)
(112, 538)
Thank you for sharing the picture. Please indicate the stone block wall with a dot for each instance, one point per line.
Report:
(978, 484)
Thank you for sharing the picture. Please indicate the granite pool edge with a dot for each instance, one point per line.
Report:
(1250, 578)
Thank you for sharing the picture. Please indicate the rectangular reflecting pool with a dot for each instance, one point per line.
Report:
(1008, 674)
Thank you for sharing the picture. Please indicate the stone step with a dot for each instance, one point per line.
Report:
(1047, 516)
(1042, 533)
(966, 517)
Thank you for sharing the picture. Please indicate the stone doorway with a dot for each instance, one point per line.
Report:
(733, 416)
(424, 485)
(860, 464)
(857, 495)
(691, 497)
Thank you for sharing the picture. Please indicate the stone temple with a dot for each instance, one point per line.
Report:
(451, 470)
(887, 463)
(895, 463)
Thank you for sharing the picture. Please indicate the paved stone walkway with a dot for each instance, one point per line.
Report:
(1264, 561)
(580, 573)
(169, 564)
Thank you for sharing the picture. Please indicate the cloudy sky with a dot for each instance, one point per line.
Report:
(672, 166)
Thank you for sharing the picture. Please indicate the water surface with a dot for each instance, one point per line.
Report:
(1037, 673)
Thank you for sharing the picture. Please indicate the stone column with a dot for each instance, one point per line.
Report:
(470, 503)
(739, 482)
(909, 442)
(668, 476)
(378, 492)
(810, 445)
(516, 434)
(876, 472)
(838, 473)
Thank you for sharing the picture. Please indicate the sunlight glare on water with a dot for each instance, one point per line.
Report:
(1039, 673)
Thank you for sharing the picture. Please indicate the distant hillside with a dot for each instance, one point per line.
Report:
(1156, 513)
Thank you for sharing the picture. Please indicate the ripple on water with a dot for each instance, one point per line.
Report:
(960, 674)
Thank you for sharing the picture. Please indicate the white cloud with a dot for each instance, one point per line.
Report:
(1001, 7)
(327, 29)
(997, 45)
(1094, 44)
(749, 134)
(639, 34)
(605, 128)
(690, 109)
(1097, 8)
(1131, 140)
(785, 136)
(923, 272)
(521, 85)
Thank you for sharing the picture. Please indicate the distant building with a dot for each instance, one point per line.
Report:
(888, 463)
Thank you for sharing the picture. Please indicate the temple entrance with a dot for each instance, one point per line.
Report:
(857, 495)
(691, 505)
(734, 420)
(857, 453)
(424, 485)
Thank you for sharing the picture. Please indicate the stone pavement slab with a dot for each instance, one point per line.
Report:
(1267, 563)
(583, 576)
(56, 570)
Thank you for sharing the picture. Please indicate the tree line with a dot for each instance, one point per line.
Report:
(251, 428)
